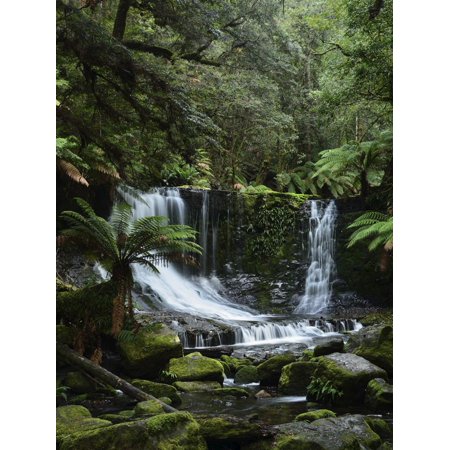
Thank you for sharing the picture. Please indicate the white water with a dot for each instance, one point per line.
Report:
(321, 249)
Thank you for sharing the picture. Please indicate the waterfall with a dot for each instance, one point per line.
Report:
(321, 252)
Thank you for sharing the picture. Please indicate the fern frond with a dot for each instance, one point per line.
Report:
(72, 172)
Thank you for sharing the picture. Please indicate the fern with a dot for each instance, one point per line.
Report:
(376, 228)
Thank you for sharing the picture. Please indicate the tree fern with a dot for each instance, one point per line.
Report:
(374, 227)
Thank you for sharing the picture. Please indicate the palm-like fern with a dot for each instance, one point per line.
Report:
(122, 241)
(375, 227)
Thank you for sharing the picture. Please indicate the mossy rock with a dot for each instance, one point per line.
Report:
(226, 368)
(148, 408)
(310, 416)
(162, 432)
(65, 335)
(269, 371)
(149, 352)
(62, 286)
(229, 429)
(349, 432)
(158, 390)
(374, 343)
(379, 426)
(233, 392)
(73, 419)
(295, 377)
(79, 383)
(195, 367)
(197, 386)
(235, 363)
(379, 395)
(115, 418)
(347, 373)
(307, 355)
(246, 374)
(332, 346)
(378, 318)
(165, 400)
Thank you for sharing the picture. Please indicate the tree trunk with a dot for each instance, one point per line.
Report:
(121, 19)
(98, 372)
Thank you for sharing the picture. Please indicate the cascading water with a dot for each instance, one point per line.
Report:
(321, 249)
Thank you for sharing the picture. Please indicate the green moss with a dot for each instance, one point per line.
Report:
(235, 363)
(295, 377)
(269, 371)
(307, 355)
(234, 392)
(197, 386)
(147, 408)
(149, 352)
(158, 390)
(379, 395)
(196, 367)
(380, 427)
(228, 428)
(310, 416)
(65, 334)
(246, 374)
(114, 418)
(79, 383)
(378, 318)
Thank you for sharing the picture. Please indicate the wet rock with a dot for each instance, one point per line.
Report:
(311, 416)
(262, 394)
(379, 394)
(269, 371)
(332, 346)
(158, 390)
(379, 426)
(335, 433)
(295, 377)
(196, 367)
(79, 383)
(234, 392)
(374, 343)
(347, 373)
(235, 364)
(149, 352)
(197, 386)
(161, 432)
(246, 374)
(122, 416)
(148, 408)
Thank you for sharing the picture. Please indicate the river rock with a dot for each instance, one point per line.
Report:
(295, 377)
(162, 432)
(379, 394)
(158, 390)
(262, 394)
(335, 433)
(234, 392)
(332, 346)
(347, 373)
(246, 374)
(311, 416)
(235, 364)
(148, 408)
(195, 367)
(197, 386)
(379, 426)
(149, 352)
(374, 343)
(269, 371)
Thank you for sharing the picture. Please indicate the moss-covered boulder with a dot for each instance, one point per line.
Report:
(332, 346)
(379, 426)
(235, 364)
(149, 352)
(295, 377)
(195, 367)
(233, 392)
(246, 374)
(347, 373)
(379, 394)
(73, 419)
(79, 383)
(162, 432)
(222, 429)
(374, 343)
(378, 318)
(148, 408)
(349, 432)
(197, 386)
(117, 417)
(269, 371)
(158, 390)
(310, 416)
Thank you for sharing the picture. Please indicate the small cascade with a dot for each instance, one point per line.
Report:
(321, 251)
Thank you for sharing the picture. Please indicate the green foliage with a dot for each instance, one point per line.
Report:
(375, 228)
(323, 391)
(167, 377)
(61, 392)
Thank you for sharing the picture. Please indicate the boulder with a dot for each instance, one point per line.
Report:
(311, 416)
(374, 343)
(79, 383)
(235, 364)
(262, 394)
(148, 408)
(269, 371)
(118, 417)
(349, 432)
(197, 386)
(158, 390)
(162, 432)
(295, 377)
(333, 346)
(379, 394)
(73, 418)
(234, 392)
(246, 374)
(195, 367)
(149, 351)
(379, 426)
(346, 373)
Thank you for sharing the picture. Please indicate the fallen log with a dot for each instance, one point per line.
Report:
(98, 372)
